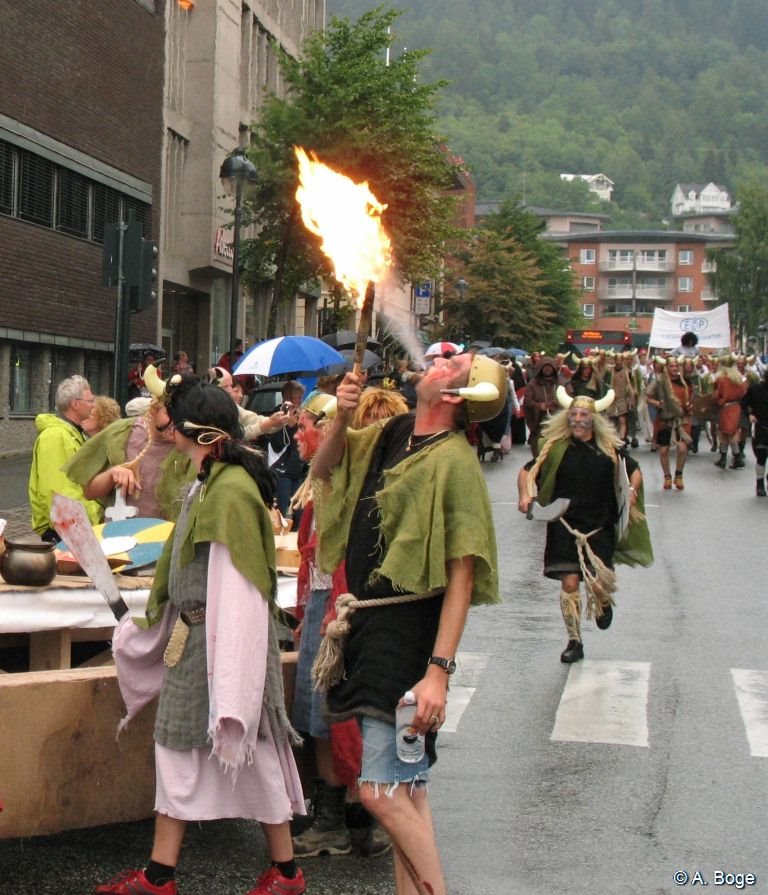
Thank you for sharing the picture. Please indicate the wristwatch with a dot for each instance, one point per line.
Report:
(448, 665)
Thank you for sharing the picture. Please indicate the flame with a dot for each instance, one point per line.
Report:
(347, 218)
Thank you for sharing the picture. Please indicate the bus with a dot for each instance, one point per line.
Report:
(584, 339)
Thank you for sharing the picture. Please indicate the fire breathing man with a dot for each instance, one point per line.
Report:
(581, 459)
(423, 550)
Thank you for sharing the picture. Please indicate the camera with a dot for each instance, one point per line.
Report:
(286, 407)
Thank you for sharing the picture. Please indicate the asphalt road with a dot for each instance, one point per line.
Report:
(519, 807)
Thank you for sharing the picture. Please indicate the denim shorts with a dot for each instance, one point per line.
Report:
(380, 761)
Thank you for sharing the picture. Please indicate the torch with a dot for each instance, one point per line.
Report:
(347, 218)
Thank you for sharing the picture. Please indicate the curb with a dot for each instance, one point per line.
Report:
(15, 455)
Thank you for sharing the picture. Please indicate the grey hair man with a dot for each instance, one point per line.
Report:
(60, 436)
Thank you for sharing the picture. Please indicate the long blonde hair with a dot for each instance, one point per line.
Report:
(558, 429)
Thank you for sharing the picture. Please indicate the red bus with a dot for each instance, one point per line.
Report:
(584, 339)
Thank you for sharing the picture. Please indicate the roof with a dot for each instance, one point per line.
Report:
(615, 236)
(698, 187)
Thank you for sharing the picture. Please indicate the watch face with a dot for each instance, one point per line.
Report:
(451, 666)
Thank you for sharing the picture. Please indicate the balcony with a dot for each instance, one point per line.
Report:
(641, 293)
(639, 263)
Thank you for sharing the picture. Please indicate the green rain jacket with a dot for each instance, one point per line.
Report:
(57, 442)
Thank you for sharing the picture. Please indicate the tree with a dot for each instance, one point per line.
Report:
(370, 120)
(741, 275)
(520, 289)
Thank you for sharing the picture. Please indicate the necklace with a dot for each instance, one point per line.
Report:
(426, 439)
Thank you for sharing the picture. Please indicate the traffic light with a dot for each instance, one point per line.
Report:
(144, 293)
(139, 268)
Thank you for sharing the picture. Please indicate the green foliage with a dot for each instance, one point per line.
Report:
(520, 290)
(649, 92)
(372, 122)
(741, 277)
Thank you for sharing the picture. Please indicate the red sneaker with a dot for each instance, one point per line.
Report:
(272, 882)
(133, 882)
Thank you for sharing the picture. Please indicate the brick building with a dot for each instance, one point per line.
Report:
(625, 275)
(80, 145)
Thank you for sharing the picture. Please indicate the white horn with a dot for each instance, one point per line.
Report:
(153, 382)
(605, 402)
(563, 398)
(482, 392)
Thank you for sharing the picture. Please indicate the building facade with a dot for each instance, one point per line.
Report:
(625, 275)
(107, 109)
(80, 147)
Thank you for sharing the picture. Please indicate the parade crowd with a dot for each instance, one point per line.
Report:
(384, 484)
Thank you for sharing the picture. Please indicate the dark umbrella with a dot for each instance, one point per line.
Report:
(137, 350)
(492, 351)
(346, 338)
(479, 343)
(369, 360)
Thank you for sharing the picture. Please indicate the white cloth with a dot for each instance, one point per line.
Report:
(244, 773)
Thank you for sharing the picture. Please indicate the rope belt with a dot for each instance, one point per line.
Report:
(328, 669)
(599, 580)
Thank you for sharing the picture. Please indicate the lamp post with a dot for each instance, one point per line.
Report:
(237, 175)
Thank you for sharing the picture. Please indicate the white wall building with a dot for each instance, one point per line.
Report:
(600, 184)
(699, 198)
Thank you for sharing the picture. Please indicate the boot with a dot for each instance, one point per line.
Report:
(376, 841)
(570, 606)
(738, 461)
(720, 462)
(761, 488)
(328, 834)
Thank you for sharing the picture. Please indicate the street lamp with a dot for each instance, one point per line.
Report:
(238, 175)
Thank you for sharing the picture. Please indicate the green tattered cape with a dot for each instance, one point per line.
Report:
(634, 549)
(228, 510)
(434, 508)
(108, 449)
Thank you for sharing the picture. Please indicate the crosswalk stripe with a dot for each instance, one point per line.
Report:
(752, 695)
(469, 668)
(604, 702)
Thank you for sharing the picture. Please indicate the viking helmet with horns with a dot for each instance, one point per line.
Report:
(584, 402)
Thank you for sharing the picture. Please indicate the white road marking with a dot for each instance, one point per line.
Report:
(752, 694)
(604, 702)
(469, 668)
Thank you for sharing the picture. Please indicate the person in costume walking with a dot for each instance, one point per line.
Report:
(406, 506)
(208, 646)
(672, 397)
(581, 459)
(755, 405)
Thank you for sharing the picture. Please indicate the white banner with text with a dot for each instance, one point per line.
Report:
(713, 327)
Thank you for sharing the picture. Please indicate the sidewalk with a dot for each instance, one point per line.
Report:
(19, 522)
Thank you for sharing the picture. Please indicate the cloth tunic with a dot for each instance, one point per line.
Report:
(587, 477)
(217, 752)
(729, 395)
(441, 512)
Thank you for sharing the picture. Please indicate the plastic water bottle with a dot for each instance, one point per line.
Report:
(410, 743)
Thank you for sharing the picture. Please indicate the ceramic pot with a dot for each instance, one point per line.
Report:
(29, 563)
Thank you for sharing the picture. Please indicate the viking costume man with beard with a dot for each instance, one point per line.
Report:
(581, 459)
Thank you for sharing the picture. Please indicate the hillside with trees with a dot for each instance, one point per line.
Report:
(648, 92)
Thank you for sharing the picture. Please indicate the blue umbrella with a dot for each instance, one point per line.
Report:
(287, 355)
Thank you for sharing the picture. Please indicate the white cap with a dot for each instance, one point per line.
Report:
(137, 406)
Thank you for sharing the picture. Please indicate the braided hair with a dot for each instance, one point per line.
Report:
(207, 415)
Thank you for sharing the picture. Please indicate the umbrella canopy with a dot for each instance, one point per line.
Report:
(492, 351)
(369, 360)
(479, 343)
(137, 350)
(438, 348)
(346, 338)
(287, 355)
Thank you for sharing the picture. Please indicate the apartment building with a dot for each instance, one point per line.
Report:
(625, 275)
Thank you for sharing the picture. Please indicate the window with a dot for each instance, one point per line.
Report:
(106, 210)
(7, 178)
(685, 284)
(588, 310)
(72, 203)
(20, 398)
(683, 309)
(59, 368)
(588, 284)
(685, 256)
(36, 192)
(587, 256)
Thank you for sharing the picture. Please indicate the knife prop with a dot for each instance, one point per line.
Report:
(550, 512)
(73, 526)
